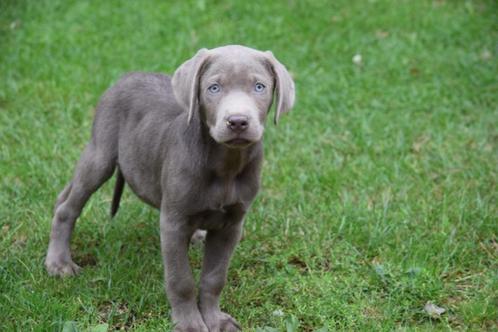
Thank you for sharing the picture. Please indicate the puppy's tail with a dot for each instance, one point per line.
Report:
(118, 191)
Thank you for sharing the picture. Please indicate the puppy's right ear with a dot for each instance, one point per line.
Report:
(185, 82)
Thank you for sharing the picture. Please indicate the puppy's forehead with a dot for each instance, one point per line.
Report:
(239, 51)
(237, 60)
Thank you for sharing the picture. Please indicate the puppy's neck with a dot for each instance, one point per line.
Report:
(229, 162)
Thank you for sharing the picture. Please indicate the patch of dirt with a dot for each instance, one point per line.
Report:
(86, 260)
(122, 317)
(299, 263)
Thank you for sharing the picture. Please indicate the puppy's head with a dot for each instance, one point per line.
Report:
(232, 88)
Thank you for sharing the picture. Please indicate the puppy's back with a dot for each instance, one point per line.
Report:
(134, 96)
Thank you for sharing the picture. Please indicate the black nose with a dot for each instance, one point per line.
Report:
(237, 123)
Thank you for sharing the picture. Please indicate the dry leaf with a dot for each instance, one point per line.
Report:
(433, 310)
(486, 55)
(357, 59)
(419, 143)
(381, 34)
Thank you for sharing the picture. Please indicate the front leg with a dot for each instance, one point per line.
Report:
(180, 285)
(219, 247)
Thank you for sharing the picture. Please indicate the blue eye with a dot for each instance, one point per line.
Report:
(214, 88)
(259, 87)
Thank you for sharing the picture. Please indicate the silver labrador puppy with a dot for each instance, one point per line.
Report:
(191, 146)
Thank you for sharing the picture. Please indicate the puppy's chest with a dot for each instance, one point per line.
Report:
(222, 192)
(225, 201)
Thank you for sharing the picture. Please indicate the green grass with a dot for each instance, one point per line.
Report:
(379, 189)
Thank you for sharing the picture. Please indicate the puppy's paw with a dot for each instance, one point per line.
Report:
(198, 237)
(221, 322)
(61, 268)
(187, 318)
(192, 325)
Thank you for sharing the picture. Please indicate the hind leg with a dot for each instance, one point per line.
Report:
(94, 168)
(63, 196)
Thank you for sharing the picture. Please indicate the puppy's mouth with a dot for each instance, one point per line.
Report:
(238, 142)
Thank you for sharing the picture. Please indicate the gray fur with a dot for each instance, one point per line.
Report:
(179, 147)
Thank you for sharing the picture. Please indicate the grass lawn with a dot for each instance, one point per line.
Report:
(379, 189)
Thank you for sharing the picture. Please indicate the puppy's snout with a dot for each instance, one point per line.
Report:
(238, 123)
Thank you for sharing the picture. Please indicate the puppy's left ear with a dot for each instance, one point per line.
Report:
(284, 87)
(185, 82)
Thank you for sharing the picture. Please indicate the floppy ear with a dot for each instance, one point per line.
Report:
(185, 82)
(284, 87)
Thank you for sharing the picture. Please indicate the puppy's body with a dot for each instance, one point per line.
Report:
(159, 154)
(190, 146)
